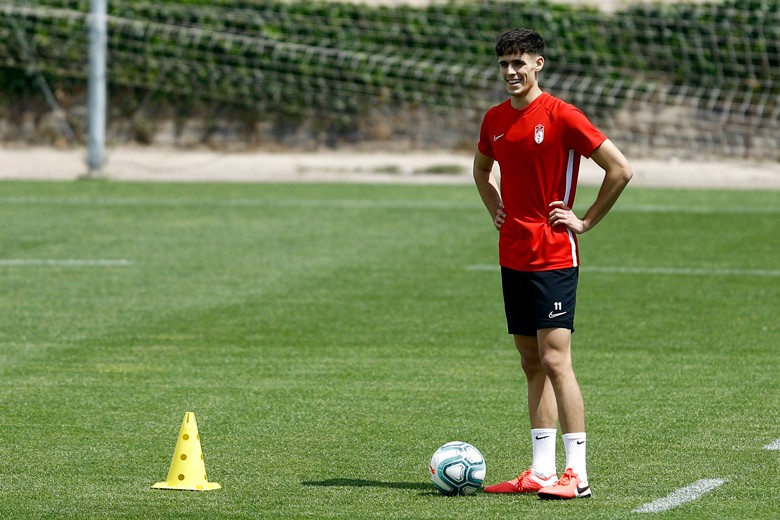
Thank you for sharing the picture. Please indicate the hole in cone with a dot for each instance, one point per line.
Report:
(181, 476)
(183, 456)
(186, 437)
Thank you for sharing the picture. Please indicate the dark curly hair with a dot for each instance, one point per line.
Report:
(520, 41)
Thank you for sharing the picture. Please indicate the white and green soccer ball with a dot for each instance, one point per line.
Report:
(457, 468)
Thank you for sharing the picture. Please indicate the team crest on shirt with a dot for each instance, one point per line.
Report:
(539, 134)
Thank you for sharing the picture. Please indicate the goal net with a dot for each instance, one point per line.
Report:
(674, 79)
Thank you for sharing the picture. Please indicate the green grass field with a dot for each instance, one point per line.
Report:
(330, 337)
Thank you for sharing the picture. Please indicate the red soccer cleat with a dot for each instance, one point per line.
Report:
(527, 482)
(569, 486)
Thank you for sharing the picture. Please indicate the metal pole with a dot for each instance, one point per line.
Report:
(97, 86)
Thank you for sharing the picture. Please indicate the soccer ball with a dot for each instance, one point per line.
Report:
(457, 468)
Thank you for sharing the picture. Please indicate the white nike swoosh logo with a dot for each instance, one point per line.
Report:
(497, 137)
(556, 314)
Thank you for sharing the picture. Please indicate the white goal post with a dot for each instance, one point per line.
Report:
(98, 38)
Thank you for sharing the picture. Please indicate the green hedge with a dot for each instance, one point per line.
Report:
(253, 53)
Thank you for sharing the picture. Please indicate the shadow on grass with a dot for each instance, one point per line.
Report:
(357, 482)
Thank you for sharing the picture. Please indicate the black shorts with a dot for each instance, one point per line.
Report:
(539, 300)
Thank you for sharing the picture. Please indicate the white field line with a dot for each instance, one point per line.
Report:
(685, 271)
(345, 203)
(675, 271)
(704, 210)
(68, 262)
(773, 445)
(241, 203)
(681, 496)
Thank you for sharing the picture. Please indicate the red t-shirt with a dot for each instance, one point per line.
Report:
(538, 149)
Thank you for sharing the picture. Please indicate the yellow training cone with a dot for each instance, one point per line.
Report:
(188, 469)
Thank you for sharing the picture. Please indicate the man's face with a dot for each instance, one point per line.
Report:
(519, 72)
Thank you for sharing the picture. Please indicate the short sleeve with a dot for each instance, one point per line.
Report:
(581, 134)
(485, 144)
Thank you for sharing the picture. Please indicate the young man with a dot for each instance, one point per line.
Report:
(538, 140)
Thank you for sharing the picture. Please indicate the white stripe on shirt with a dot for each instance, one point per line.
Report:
(569, 181)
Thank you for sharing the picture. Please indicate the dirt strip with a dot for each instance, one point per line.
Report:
(435, 167)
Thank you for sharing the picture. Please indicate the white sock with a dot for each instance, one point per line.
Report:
(574, 444)
(543, 441)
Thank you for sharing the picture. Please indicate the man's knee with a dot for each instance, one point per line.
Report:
(532, 365)
(555, 352)
(556, 364)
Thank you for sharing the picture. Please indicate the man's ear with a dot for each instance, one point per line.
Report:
(539, 63)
